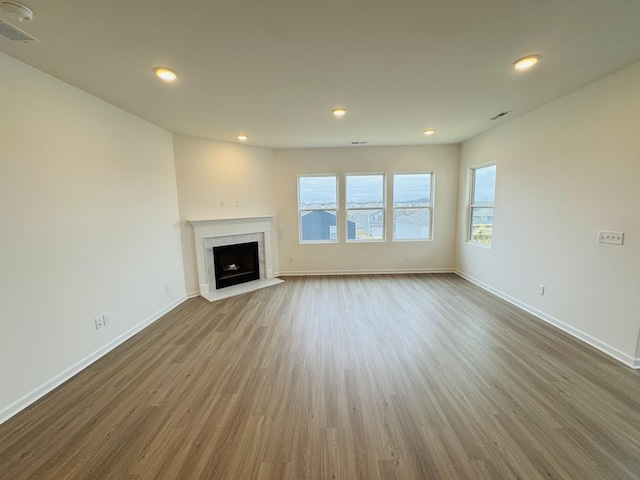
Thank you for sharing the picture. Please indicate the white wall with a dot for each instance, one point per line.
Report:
(210, 171)
(565, 171)
(435, 255)
(89, 224)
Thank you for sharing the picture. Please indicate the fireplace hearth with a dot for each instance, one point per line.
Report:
(236, 264)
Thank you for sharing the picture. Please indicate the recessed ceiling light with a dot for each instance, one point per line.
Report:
(527, 62)
(242, 137)
(338, 112)
(430, 131)
(165, 74)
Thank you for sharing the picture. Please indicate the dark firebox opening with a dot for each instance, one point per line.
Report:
(236, 264)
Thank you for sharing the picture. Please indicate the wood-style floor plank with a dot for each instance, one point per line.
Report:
(355, 377)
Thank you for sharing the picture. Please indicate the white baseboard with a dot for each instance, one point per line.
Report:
(579, 334)
(31, 397)
(364, 272)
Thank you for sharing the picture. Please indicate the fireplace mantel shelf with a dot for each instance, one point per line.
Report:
(213, 221)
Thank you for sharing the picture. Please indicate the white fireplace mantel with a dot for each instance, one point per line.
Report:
(205, 230)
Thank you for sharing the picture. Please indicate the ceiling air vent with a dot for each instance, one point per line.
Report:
(13, 33)
(501, 114)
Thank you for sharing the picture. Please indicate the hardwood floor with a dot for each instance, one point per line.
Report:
(369, 377)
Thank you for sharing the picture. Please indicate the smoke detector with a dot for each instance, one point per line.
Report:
(17, 10)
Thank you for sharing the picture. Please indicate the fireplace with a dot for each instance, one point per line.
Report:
(210, 234)
(235, 264)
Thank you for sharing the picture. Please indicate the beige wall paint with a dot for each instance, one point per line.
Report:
(435, 255)
(565, 171)
(209, 171)
(88, 225)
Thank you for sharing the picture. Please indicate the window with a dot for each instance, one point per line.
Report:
(483, 186)
(412, 206)
(365, 207)
(317, 208)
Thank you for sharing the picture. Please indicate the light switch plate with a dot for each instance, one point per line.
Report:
(613, 238)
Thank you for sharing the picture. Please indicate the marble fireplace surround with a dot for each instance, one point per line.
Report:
(230, 231)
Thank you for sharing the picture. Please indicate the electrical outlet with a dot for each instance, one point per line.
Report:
(222, 203)
(99, 322)
(540, 289)
(237, 203)
(290, 259)
(613, 238)
(406, 256)
(107, 318)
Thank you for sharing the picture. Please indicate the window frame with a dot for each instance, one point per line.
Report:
(383, 208)
(472, 205)
(336, 210)
(428, 207)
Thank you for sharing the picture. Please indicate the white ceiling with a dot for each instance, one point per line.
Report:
(275, 69)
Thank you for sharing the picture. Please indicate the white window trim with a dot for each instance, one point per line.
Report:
(383, 208)
(471, 190)
(336, 210)
(429, 207)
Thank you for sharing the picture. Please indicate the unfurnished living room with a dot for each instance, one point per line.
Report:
(320, 240)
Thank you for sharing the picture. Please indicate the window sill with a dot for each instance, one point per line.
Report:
(405, 240)
(356, 242)
(317, 242)
(477, 244)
